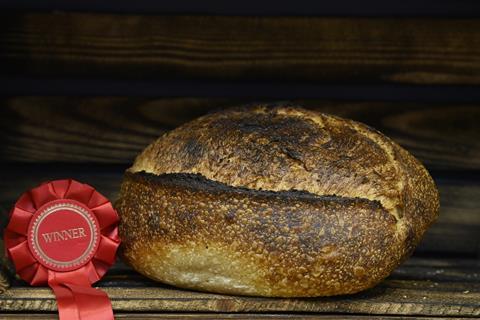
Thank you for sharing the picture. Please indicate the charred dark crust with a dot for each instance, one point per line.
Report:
(193, 182)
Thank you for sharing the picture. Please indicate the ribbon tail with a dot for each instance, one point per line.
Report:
(76, 302)
(67, 307)
(92, 303)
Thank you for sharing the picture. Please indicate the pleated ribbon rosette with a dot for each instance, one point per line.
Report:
(64, 234)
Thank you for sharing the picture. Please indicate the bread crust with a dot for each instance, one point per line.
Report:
(274, 201)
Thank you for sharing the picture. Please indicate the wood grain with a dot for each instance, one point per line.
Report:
(456, 232)
(406, 8)
(115, 130)
(422, 286)
(392, 297)
(414, 51)
(4, 278)
(253, 316)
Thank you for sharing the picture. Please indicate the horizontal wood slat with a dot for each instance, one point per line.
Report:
(114, 129)
(391, 297)
(96, 86)
(410, 50)
(408, 8)
(421, 286)
(456, 232)
(179, 316)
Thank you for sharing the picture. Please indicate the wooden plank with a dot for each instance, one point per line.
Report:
(408, 8)
(414, 50)
(392, 297)
(114, 130)
(29, 85)
(456, 231)
(253, 316)
(435, 286)
(457, 228)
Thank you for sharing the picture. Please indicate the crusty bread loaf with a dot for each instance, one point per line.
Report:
(274, 201)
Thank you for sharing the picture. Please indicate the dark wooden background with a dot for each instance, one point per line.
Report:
(84, 89)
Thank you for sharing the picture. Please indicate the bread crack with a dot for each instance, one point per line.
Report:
(386, 145)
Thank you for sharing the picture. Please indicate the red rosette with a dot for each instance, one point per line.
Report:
(65, 234)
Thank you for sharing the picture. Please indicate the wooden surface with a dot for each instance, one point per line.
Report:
(179, 316)
(464, 8)
(359, 50)
(114, 130)
(408, 291)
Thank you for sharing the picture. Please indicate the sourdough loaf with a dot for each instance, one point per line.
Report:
(274, 201)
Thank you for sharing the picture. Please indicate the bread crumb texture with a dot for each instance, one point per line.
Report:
(274, 201)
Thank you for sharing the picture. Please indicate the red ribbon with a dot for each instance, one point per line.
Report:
(76, 299)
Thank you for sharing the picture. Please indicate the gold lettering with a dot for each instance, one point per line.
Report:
(82, 232)
(47, 237)
(57, 236)
(63, 235)
(67, 234)
(75, 233)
